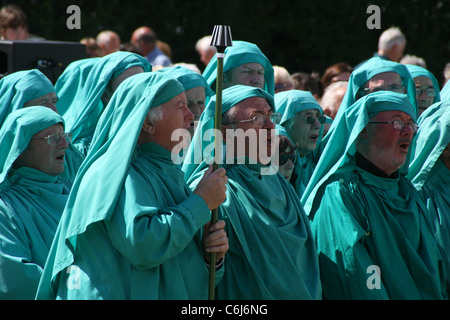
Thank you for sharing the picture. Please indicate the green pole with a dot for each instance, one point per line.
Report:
(221, 38)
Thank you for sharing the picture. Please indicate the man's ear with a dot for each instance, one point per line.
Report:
(148, 126)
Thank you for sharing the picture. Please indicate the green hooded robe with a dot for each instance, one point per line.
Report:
(271, 251)
(241, 52)
(131, 227)
(373, 234)
(31, 204)
(18, 88)
(429, 174)
(84, 82)
(289, 103)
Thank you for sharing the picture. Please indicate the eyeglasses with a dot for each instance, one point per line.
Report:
(393, 88)
(312, 119)
(430, 92)
(400, 124)
(284, 157)
(55, 138)
(260, 120)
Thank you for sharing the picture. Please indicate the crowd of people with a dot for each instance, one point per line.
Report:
(332, 187)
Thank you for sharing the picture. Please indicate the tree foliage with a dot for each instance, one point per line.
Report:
(300, 35)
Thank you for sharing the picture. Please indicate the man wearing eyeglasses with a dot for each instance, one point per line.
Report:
(271, 254)
(27, 88)
(302, 117)
(32, 196)
(427, 87)
(371, 225)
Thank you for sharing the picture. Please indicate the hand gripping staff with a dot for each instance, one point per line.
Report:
(221, 38)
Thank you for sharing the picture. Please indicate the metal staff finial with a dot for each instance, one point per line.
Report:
(221, 39)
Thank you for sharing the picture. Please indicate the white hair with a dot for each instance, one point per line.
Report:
(203, 43)
(415, 60)
(155, 114)
(391, 37)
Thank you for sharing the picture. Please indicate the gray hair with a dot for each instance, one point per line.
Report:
(391, 37)
(155, 114)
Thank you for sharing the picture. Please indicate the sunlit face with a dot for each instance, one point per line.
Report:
(48, 100)
(196, 103)
(423, 84)
(250, 74)
(246, 110)
(176, 115)
(41, 156)
(304, 135)
(384, 79)
(384, 146)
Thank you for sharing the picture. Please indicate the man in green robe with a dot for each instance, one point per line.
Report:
(85, 88)
(271, 254)
(244, 64)
(32, 196)
(32, 88)
(375, 74)
(429, 170)
(302, 117)
(132, 228)
(197, 90)
(427, 87)
(371, 226)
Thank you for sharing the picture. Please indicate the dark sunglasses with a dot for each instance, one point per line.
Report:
(312, 119)
(284, 157)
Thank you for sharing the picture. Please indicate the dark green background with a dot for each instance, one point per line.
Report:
(307, 35)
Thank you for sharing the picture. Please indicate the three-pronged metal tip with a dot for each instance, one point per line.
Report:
(221, 37)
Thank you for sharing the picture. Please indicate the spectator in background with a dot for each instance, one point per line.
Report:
(308, 82)
(205, 50)
(332, 98)
(144, 38)
(108, 41)
(283, 80)
(14, 25)
(92, 48)
(391, 44)
(337, 72)
(410, 59)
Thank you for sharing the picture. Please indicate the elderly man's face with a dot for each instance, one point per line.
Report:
(246, 110)
(424, 93)
(304, 135)
(42, 156)
(176, 115)
(48, 100)
(383, 145)
(196, 103)
(250, 74)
